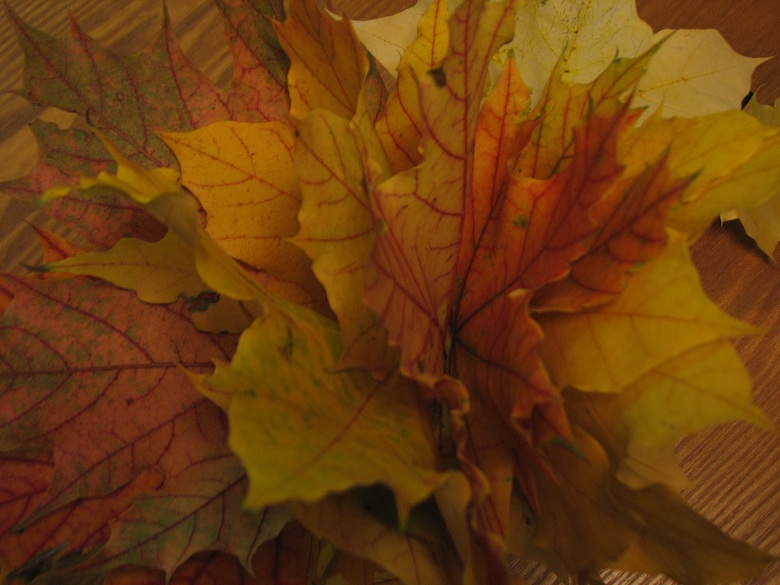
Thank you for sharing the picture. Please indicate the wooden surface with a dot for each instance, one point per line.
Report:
(736, 468)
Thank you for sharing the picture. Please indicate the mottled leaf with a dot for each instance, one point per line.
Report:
(124, 362)
(63, 157)
(259, 91)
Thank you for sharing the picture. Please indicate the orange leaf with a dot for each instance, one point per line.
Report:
(400, 124)
(421, 210)
(328, 64)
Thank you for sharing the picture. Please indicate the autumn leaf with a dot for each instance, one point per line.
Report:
(243, 176)
(344, 522)
(63, 157)
(580, 39)
(117, 369)
(520, 334)
(158, 271)
(589, 520)
(400, 125)
(762, 222)
(338, 162)
(661, 313)
(259, 88)
(328, 63)
(356, 416)
(131, 98)
(700, 387)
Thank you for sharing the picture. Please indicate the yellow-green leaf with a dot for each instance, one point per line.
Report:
(662, 312)
(338, 161)
(703, 386)
(157, 271)
(304, 430)
(732, 158)
(762, 222)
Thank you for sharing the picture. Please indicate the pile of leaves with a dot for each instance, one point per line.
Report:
(332, 333)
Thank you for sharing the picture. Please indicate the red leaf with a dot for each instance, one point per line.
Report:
(63, 157)
(104, 391)
(26, 475)
(259, 91)
(131, 99)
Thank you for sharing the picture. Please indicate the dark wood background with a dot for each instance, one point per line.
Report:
(736, 468)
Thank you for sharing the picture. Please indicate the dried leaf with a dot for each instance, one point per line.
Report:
(118, 366)
(328, 63)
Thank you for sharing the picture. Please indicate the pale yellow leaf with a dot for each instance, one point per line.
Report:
(695, 73)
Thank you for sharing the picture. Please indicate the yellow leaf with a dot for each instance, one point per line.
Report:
(327, 62)
(588, 520)
(401, 124)
(762, 222)
(389, 38)
(703, 386)
(304, 430)
(731, 157)
(694, 73)
(157, 271)
(421, 209)
(662, 312)
(244, 178)
(338, 161)
(159, 192)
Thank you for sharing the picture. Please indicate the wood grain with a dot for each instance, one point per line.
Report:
(736, 468)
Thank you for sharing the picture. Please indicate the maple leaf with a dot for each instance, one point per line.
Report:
(477, 243)
(356, 417)
(762, 222)
(332, 160)
(118, 367)
(589, 520)
(131, 98)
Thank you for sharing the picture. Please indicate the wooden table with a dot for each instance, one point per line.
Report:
(737, 468)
